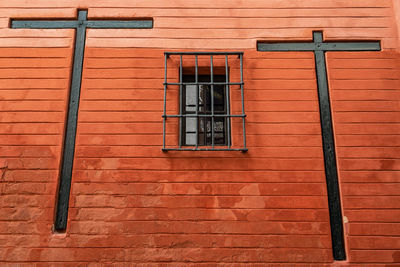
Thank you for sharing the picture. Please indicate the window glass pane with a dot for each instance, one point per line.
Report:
(219, 98)
(191, 124)
(191, 139)
(190, 98)
(202, 97)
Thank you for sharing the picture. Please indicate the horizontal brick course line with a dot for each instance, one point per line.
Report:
(32, 78)
(25, 57)
(34, 89)
(132, 100)
(192, 182)
(361, 89)
(171, 247)
(372, 123)
(375, 249)
(155, 207)
(180, 220)
(317, 16)
(369, 157)
(95, 55)
(193, 170)
(372, 209)
(230, 8)
(369, 209)
(31, 111)
(186, 183)
(24, 36)
(159, 157)
(156, 134)
(33, 145)
(157, 262)
(383, 236)
(34, 68)
(195, 8)
(161, 69)
(248, 113)
(159, 182)
(203, 195)
(365, 68)
(206, 209)
(184, 264)
(368, 195)
(247, 28)
(158, 146)
(215, 209)
(30, 122)
(294, 6)
(128, 236)
(41, 157)
(377, 182)
(117, 78)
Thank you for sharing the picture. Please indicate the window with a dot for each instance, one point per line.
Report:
(201, 87)
(211, 100)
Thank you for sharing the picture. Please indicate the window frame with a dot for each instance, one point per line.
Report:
(207, 110)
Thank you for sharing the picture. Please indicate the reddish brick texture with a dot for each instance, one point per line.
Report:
(132, 204)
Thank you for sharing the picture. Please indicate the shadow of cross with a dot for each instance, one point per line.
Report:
(80, 24)
(319, 47)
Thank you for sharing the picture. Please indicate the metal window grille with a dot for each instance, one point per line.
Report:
(205, 117)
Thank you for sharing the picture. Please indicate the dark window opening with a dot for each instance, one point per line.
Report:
(204, 120)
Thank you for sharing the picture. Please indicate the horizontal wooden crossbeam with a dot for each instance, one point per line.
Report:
(319, 45)
(72, 24)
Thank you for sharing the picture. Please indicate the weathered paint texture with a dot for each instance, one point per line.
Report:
(131, 203)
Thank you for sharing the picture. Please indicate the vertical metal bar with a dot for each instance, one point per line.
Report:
(335, 212)
(227, 99)
(60, 223)
(241, 91)
(180, 101)
(197, 100)
(165, 98)
(212, 100)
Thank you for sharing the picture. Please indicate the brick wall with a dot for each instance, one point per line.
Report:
(132, 203)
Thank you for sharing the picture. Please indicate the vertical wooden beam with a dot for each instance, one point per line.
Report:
(60, 223)
(335, 209)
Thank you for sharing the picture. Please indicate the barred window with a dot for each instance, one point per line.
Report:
(205, 116)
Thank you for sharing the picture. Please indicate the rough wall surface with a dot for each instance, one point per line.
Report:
(132, 203)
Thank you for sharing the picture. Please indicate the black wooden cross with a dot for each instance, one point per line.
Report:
(80, 25)
(319, 47)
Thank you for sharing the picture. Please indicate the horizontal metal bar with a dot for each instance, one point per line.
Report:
(205, 149)
(204, 115)
(44, 24)
(119, 24)
(203, 53)
(203, 83)
(317, 46)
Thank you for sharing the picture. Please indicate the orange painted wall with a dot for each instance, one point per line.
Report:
(132, 203)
